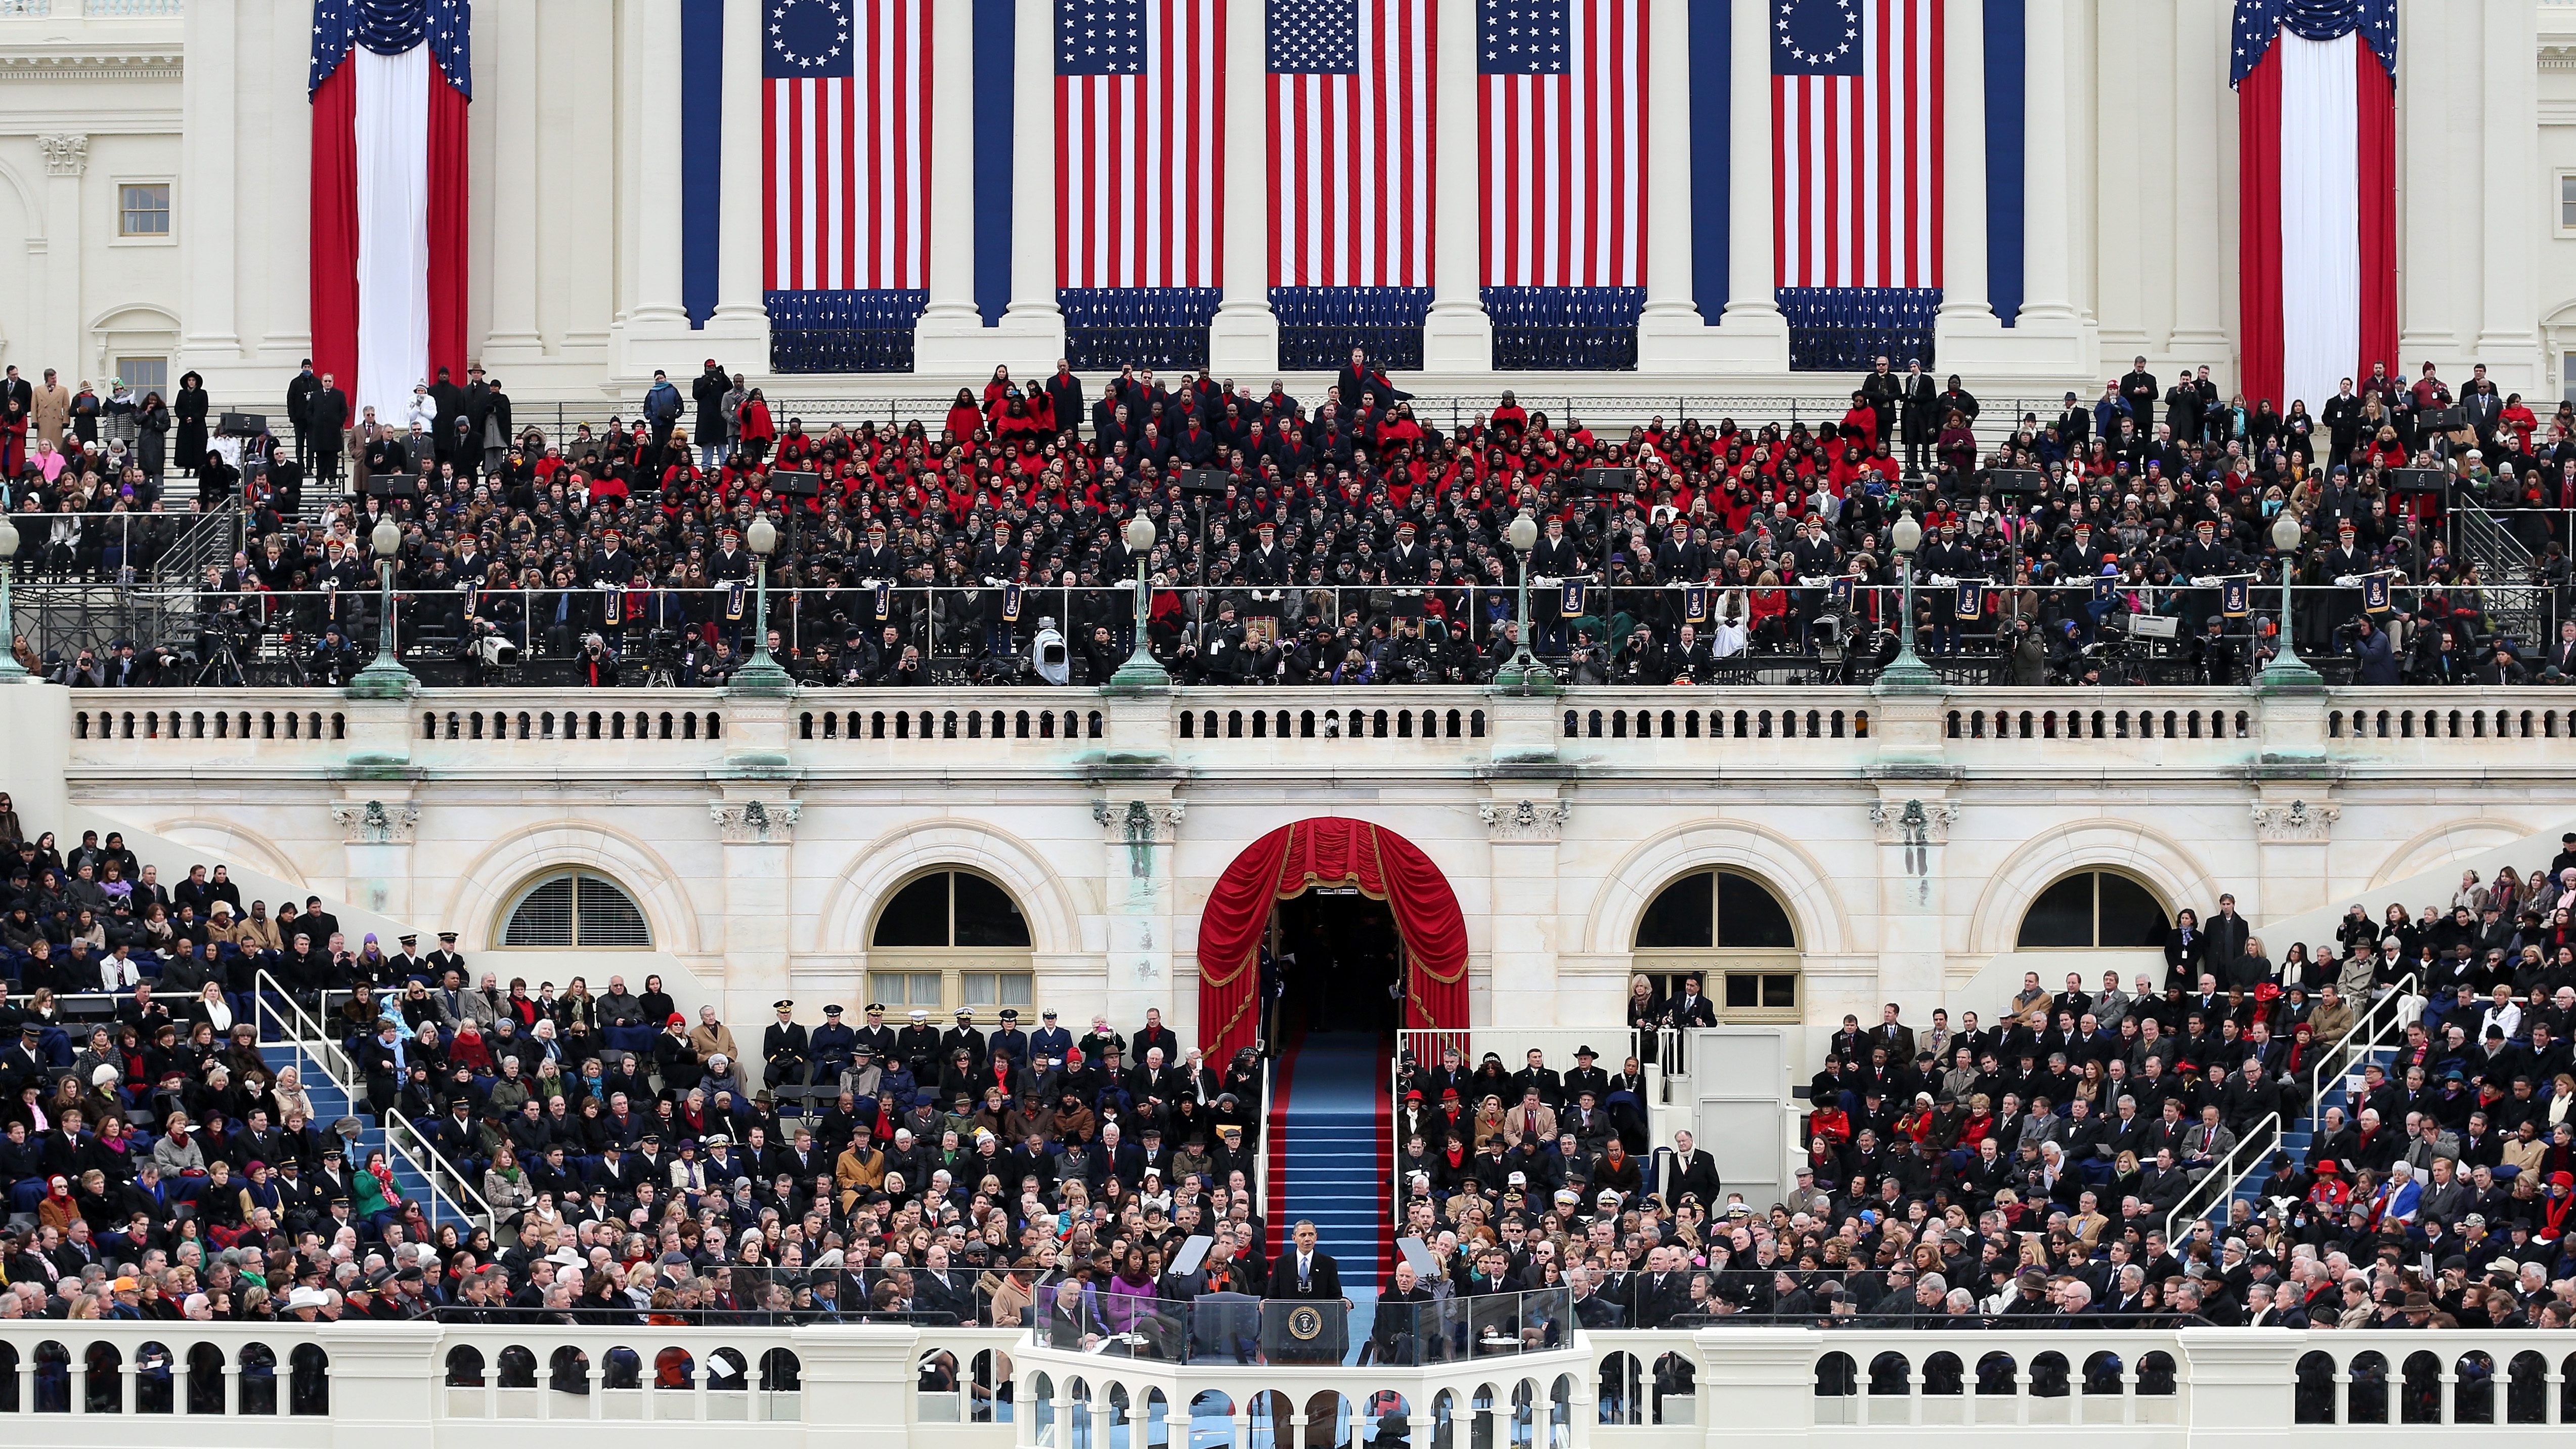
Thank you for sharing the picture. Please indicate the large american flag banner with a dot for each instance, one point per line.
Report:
(1562, 118)
(1140, 142)
(1350, 142)
(846, 100)
(1856, 142)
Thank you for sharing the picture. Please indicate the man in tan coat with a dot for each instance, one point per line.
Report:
(53, 410)
(711, 1036)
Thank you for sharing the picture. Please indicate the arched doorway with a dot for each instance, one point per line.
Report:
(1328, 853)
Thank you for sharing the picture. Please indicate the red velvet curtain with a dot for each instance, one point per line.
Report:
(1328, 851)
(333, 217)
(2258, 231)
(449, 186)
(2378, 152)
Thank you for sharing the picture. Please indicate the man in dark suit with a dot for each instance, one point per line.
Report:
(1305, 1275)
(17, 410)
(1893, 1034)
(2228, 933)
(1690, 1169)
(329, 416)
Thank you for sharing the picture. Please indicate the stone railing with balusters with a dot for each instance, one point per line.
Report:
(427, 1385)
(1424, 731)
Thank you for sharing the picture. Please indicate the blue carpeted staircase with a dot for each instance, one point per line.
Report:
(2295, 1139)
(1331, 1164)
(330, 1104)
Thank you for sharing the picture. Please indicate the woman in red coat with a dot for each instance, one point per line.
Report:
(964, 417)
(758, 432)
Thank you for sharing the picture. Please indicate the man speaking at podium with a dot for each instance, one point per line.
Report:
(1312, 1317)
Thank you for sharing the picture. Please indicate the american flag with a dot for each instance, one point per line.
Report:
(1140, 142)
(1856, 142)
(1350, 142)
(1562, 117)
(847, 117)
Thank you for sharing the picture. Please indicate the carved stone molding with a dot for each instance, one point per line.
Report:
(2298, 821)
(756, 822)
(1141, 822)
(1525, 820)
(65, 154)
(1912, 822)
(373, 822)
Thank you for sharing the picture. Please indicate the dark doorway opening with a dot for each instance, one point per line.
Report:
(1341, 965)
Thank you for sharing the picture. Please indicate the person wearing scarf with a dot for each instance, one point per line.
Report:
(57, 1210)
(2559, 1196)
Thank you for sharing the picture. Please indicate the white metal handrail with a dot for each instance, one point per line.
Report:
(2226, 1173)
(298, 1029)
(1261, 1159)
(2359, 1045)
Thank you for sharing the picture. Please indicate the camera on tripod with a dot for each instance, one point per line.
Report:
(488, 648)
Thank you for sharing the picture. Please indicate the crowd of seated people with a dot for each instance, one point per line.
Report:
(636, 1163)
(2060, 1140)
(1359, 543)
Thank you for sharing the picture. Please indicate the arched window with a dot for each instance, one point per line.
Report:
(574, 908)
(1730, 929)
(949, 939)
(2094, 910)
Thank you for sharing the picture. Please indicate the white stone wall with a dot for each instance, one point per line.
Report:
(2282, 802)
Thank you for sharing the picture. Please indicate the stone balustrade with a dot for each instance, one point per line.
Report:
(127, 1385)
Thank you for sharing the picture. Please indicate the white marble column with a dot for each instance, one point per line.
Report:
(1964, 304)
(1524, 822)
(378, 825)
(511, 92)
(1140, 829)
(1033, 306)
(2511, 200)
(2201, 65)
(2428, 249)
(1670, 302)
(2052, 333)
(742, 312)
(756, 821)
(2048, 276)
(1457, 336)
(1245, 336)
(1912, 826)
(658, 306)
(951, 311)
(1751, 270)
(205, 204)
(66, 165)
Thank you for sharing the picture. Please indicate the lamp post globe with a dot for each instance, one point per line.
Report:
(761, 673)
(2287, 672)
(384, 675)
(1522, 671)
(1907, 673)
(1142, 671)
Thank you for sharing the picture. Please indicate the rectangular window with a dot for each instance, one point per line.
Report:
(1760, 995)
(2567, 202)
(903, 991)
(145, 374)
(990, 991)
(143, 208)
